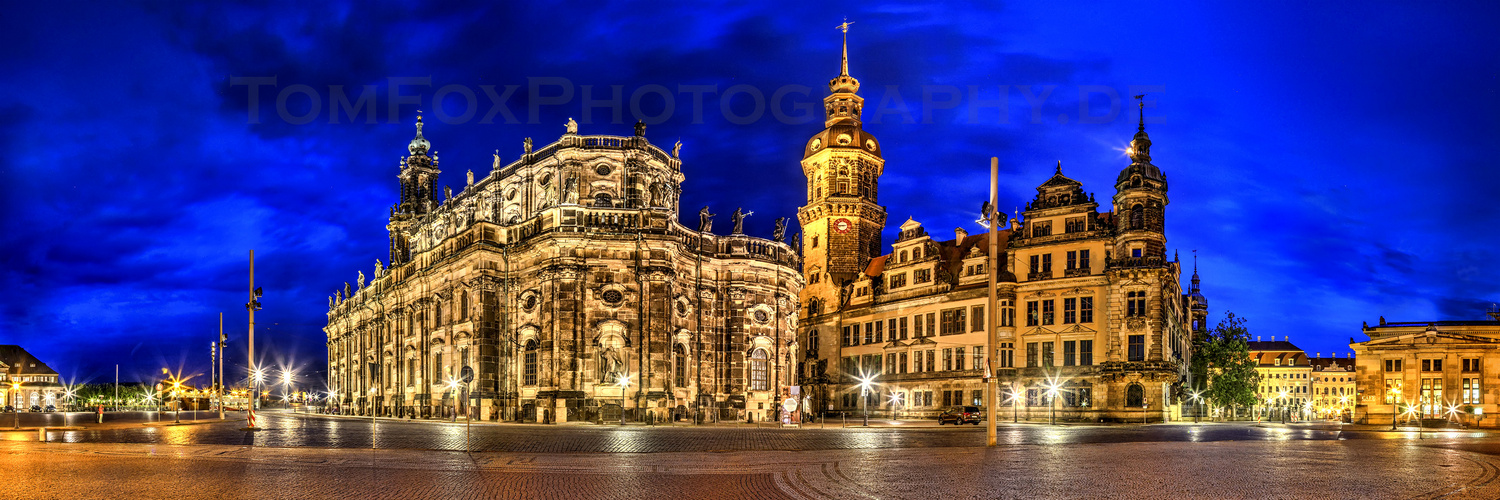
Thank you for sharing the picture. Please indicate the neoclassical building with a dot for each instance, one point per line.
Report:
(1434, 369)
(1091, 309)
(565, 282)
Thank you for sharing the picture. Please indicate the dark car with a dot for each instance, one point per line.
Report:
(9, 408)
(36, 409)
(960, 415)
(51, 408)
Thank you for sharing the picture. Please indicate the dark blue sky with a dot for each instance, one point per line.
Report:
(1330, 164)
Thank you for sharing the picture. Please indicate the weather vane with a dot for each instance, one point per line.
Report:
(1141, 100)
(844, 27)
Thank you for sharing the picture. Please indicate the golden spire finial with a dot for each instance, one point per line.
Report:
(844, 68)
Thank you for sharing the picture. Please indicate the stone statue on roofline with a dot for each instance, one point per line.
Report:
(705, 221)
(571, 126)
(779, 234)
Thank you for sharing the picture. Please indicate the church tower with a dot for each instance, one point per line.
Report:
(842, 220)
(1140, 201)
(419, 177)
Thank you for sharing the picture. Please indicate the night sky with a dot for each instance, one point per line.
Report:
(1329, 165)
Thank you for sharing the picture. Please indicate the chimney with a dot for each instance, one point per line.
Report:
(960, 234)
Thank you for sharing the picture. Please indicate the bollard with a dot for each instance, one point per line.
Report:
(41, 434)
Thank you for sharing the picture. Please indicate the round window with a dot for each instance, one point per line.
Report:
(602, 169)
(613, 296)
(682, 308)
(870, 144)
(844, 139)
(529, 302)
(762, 317)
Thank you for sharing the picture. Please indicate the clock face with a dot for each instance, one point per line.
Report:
(841, 225)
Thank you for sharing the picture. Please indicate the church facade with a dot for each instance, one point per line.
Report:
(563, 287)
(1093, 322)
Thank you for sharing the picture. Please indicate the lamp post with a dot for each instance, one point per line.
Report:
(864, 385)
(453, 390)
(1052, 402)
(895, 404)
(624, 382)
(1197, 406)
(177, 411)
(286, 381)
(15, 393)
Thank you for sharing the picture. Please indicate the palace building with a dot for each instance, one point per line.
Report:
(562, 286)
(1093, 320)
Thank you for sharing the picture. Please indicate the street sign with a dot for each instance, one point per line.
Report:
(790, 404)
(466, 374)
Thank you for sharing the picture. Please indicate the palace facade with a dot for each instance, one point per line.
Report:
(1093, 321)
(562, 286)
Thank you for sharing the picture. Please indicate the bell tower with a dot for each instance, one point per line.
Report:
(419, 177)
(842, 220)
(1140, 201)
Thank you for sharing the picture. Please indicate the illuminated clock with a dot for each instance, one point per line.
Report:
(841, 225)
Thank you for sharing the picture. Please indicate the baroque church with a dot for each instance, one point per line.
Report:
(1093, 322)
(563, 287)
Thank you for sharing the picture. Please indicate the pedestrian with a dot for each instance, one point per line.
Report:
(101, 413)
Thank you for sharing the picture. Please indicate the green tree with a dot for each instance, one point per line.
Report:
(1223, 373)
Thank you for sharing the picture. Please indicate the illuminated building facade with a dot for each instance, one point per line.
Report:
(1333, 394)
(1090, 301)
(27, 381)
(1434, 370)
(566, 283)
(1285, 378)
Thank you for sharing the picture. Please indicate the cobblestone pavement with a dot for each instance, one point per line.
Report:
(1224, 469)
(287, 430)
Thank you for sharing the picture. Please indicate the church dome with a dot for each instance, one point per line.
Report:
(842, 136)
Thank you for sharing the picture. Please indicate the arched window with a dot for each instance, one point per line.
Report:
(760, 371)
(528, 376)
(679, 366)
(1137, 216)
(1135, 396)
(603, 200)
(437, 314)
(463, 306)
(903, 256)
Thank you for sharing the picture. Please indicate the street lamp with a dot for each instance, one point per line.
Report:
(286, 380)
(176, 412)
(1013, 397)
(864, 385)
(453, 389)
(1197, 405)
(1052, 401)
(15, 393)
(1281, 405)
(895, 404)
(624, 382)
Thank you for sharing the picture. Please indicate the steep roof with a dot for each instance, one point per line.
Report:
(1320, 364)
(23, 363)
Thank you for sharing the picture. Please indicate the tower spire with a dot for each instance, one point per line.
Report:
(844, 65)
(1195, 271)
(1141, 103)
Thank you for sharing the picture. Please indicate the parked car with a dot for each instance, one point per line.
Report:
(960, 415)
(36, 408)
(51, 408)
(9, 408)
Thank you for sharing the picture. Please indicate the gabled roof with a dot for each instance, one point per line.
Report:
(1319, 364)
(23, 363)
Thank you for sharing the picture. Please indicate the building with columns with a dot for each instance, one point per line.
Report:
(1093, 318)
(1446, 370)
(566, 283)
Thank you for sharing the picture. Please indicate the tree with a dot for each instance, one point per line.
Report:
(1223, 372)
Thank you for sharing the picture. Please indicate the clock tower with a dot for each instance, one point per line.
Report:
(841, 222)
